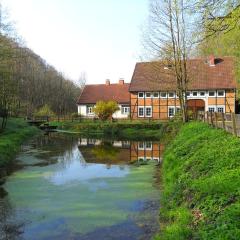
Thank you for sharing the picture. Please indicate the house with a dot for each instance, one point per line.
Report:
(212, 87)
(120, 152)
(105, 92)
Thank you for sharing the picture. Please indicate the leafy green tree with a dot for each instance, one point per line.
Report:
(223, 43)
(105, 110)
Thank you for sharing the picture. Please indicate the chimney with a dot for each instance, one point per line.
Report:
(211, 60)
(121, 81)
(108, 82)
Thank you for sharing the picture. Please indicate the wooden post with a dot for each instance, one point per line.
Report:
(234, 124)
(211, 117)
(223, 121)
(216, 118)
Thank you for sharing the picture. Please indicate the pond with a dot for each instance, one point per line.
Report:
(70, 187)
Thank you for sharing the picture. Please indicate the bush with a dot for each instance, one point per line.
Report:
(44, 111)
(105, 110)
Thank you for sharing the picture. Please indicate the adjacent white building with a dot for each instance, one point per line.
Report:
(105, 92)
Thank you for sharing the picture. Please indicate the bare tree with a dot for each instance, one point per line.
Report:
(169, 40)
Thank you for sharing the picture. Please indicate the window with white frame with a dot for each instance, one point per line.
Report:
(211, 109)
(221, 93)
(148, 94)
(156, 94)
(89, 109)
(140, 95)
(171, 111)
(178, 110)
(140, 146)
(195, 94)
(140, 111)
(125, 109)
(163, 94)
(188, 94)
(148, 111)
(220, 109)
(202, 93)
(211, 93)
(171, 94)
(148, 146)
(141, 159)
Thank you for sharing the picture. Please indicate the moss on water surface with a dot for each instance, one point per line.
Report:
(74, 198)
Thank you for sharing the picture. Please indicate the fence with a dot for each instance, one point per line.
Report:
(227, 121)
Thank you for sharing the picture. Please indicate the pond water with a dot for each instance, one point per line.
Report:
(85, 189)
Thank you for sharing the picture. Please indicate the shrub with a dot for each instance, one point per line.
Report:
(105, 110)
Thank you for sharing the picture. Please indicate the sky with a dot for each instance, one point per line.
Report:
(99, 37)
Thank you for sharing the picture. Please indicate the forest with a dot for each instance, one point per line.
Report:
(28, 82)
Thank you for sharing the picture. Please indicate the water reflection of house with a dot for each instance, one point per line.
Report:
(145, 151)
(105, 152)
(119, 152)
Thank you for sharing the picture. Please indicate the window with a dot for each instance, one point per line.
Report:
(211, 93)
(148, 145)
(202, 94)
(188, 94)
(220, 109)
(211, 109)
(148, 111)
(163, 94)
(89, 109)
(178, 109)
(148, 94)
(125, 109)
(155, 94)
(140, 146)
(141, 159)
(194, 94)
(140, 95)
(171, 94)
(148, 159)
(171, 111)
(140, 111)
(221, 93)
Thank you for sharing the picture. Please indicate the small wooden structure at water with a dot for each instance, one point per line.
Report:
(42, 123)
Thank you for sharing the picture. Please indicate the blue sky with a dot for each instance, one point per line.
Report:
(100, 37)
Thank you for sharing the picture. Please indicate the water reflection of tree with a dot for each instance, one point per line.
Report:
(10, 228)
(105, 151)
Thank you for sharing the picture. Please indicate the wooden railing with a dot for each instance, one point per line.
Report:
(227, 121)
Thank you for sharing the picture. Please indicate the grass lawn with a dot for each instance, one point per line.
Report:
(201, 185)
(12, 137)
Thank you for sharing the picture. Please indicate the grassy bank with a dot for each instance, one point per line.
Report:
(11, 139)
(201, 179)
(131, 130)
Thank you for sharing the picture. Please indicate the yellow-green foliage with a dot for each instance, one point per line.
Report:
(105, 110)
(44, 111)
(201, 179)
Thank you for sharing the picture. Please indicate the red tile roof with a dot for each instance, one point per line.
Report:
(102, 92)
(152, 76)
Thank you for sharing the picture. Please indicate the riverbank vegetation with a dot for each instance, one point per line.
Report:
(126, 129)
(12, 137)
(200, 174)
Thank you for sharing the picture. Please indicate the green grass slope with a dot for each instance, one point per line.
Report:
(13, 136)
(201, 185)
